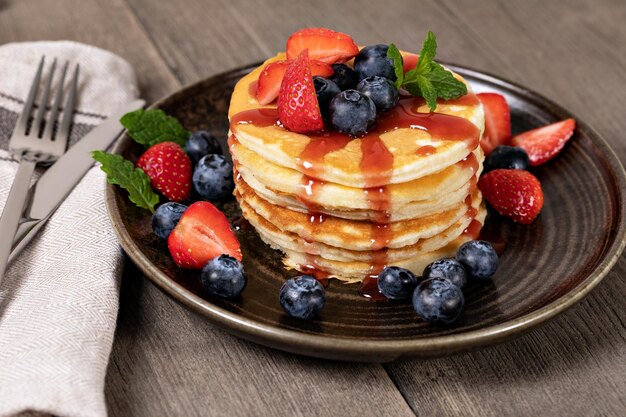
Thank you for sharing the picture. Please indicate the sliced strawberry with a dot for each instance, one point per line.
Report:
(298, 109)
(513, 193)
(202, 233)
(497, 121)
(323, 44)
(169, 169)
(409, 61)
(543, 143)
(272, 75)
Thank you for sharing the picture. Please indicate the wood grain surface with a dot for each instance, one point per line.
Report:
(168, 361)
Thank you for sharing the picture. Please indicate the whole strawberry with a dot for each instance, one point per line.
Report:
(513, 193)
(298, 109)
(169, 169)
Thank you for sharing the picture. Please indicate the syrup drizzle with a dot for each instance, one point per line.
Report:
(376, 165)
(426, 150)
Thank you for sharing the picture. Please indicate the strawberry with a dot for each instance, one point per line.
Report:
(543, 143)
(513, 193)
(323, 44)
(409, 61)
(298, 109)
(497, 121)
(202, 233)
(272, 75)
(169, 169)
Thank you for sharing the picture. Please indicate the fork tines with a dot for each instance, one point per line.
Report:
(40, 128)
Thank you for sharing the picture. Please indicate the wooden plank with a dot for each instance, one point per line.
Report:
(575, 365)
(108, 25)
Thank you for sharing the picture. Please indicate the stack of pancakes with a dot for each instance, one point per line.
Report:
(346, 207)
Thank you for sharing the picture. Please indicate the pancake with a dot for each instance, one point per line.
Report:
(356, 271)
(340, 197)
(350, 234)
(452, 132)
(292, 241)
(404, 212)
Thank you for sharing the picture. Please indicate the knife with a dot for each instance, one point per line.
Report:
(59, 180)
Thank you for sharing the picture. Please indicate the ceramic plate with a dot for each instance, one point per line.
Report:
(546, 267)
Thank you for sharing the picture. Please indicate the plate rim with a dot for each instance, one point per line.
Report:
(356, 349)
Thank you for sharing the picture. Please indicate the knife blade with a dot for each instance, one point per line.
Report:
(61, 178)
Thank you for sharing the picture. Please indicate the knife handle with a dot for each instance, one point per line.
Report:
(13, 208)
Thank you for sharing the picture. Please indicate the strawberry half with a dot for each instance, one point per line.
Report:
(169, 169)
(272, 75)
(497, 121)
(323, 44)
(543, 143)
(513, 193)
(298, 109)
(202, 233)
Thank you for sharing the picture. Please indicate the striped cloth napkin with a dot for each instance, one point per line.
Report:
(59, 299)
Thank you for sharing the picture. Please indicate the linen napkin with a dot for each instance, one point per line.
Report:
(59, 299)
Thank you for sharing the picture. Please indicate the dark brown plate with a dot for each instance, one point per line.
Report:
(546, 268)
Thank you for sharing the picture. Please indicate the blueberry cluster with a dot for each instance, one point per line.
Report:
(350, 99)
(438, 299)
(222, 276)
(212, 180)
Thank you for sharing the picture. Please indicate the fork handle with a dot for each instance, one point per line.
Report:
(13, 209)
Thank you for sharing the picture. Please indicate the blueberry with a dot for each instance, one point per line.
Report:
(166, 217)
(352, 112)
(223, 276)
(213, 177)
(382, 92)
(201, 143)
(479, 259)
(302, 297)
(345, 77)
(448, 268)
(506, 157)
(373, 60)
(396, 283)
(438, 301)
(325, 90)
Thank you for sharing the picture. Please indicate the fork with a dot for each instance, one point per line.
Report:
(42, 141)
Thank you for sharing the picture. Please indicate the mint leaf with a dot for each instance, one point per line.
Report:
(123, 173)
(447, 86)
(427, 54)
(430, 80)
(149, 127)
(428, 92)
(398, 68)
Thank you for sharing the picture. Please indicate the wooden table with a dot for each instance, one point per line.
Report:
(169, 361)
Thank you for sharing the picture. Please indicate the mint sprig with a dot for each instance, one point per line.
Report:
(123, 173)
(149, 127)
(428, 79)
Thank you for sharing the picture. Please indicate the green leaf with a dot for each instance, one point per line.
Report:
(429, 79)
(427, 54)
(398, 68)
(123, 173)
(149, 127)
(428, 92)
(448, 87)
